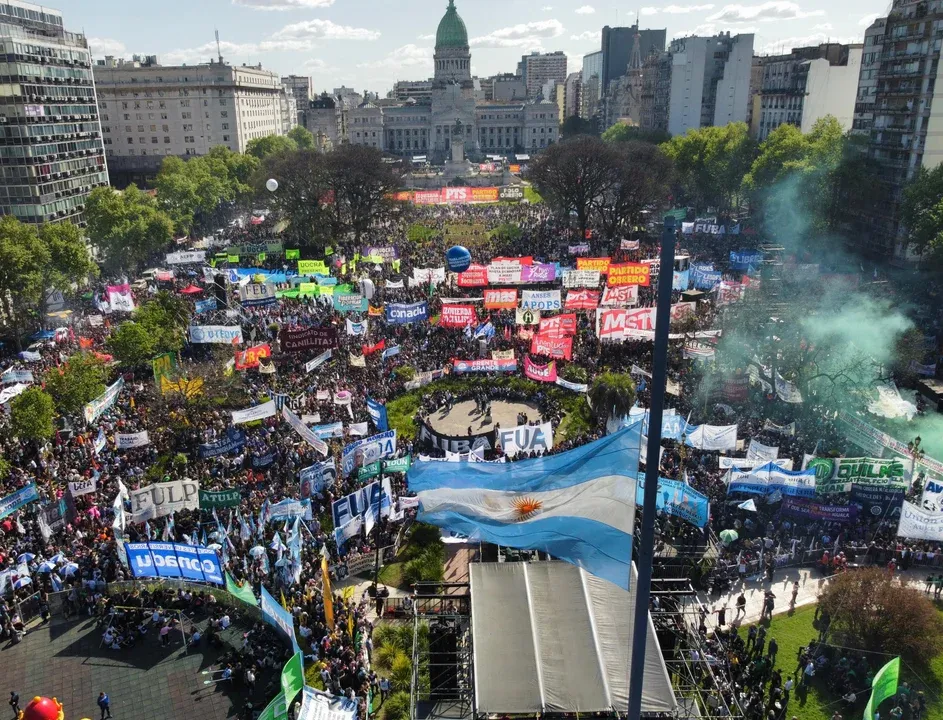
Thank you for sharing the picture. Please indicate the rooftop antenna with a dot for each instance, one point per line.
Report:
(219, 52)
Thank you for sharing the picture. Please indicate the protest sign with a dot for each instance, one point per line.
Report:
(104, 401)
(526, 438)
(159, 499)
(312, 338)
(368, 450)
(216, 334)
(220, 498)
(401, 314)
(174, 560)
(540, 373)
(499, 299)
(541, 300)
(629, 274)
(560, 348)
(457, 316)
(558, 325)
(483, 366)
(456, 443)
(581, 279)
(83, 486)
(13, 502)
(582, 300)
(622, 296)
(259, 412)
(127, 441)
(600, 264)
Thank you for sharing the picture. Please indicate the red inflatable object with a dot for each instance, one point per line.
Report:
(42, 708)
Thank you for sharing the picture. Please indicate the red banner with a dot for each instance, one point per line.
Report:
(457, 316)
(500, 299)
(629, 274)
(529, 260)
(620, 296)
(600, 264)
(251, 356)
(558, 326)
(427, 197)
(582, 300)
(475, 276)
(540, 373)
(560, 348)
(484, 194)
(376, 347)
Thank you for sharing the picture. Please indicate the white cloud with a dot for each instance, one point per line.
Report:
(766, 12)
(547, 8)
(823, 26)
(431, 36)
(415, 58)
(784, 45)
(106, 46)
(283, 4)
(323, 29)
(676, 9)
(588, 36)
(318, 65)
(868, 19)
(585, 10)
(525, 35)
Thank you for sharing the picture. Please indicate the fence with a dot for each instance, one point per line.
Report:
(222, 597)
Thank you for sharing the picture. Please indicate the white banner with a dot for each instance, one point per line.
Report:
(932, 500)
(621, 296)
(358, 429)
(126, 441)
(104, 401)
(920, 524)
(257, 294)
(17, 376)
(526, 317)
(356, 328)
(318, 361)
(306, 433)
(216, 334)
(160, 499)
(759, 451)
(185, 257)
(122, 302)
(83, 486)
(503, 273)
(726, 463)
(526, 438)
(581, 278)
(713, 437)
(317, 705)
(541, 300)
(428, 276)
(259, 412)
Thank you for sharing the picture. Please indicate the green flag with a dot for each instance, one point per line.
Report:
(276, 710)
(232, 258)
(883, 686)
(293, 677)
(243, 592)
(220, 498)
(397, 464)
(369, 471)
(293, 254)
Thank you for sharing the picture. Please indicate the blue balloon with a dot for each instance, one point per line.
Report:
(458, 258)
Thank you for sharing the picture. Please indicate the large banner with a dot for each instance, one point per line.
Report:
(312, 338)
(725, 462)
(368, 450)
(252, 357)
(526, 439)
(13, 502)
(600, 264)
(677, 498)
(126, 441)
(483, 366)
(629, 274)
(160, 499)
(457, 316)
(18, 376)
(83, 486)
(878, 502)
(363, 503)
(216, 334)
(809, 510)
(759, 451)
(770, 478)
(475, 276)
(304, 431)
(456, 443)
(538, 273)
(174, 560)
(558, 325)
(582, 300)
(837, 475)
(581, 279)
(498, 299)
(315, 478)
(256, 295)
(186, 257)
(289, 509)
(96, 407)
(316, 705)
(871, 439)
(541, 300)
(540, 373)
(220, 498)
(259, 412)
(350, 302)
(400, 314)
(233, 441)
(712, 437)
(622, 296)
(504, 273)
(278, 617)
(560, 348)
(920, 524)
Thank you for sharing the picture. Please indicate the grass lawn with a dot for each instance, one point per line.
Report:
(795, 629)
(392, 574)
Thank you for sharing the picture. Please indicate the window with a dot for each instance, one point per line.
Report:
(124, 106)
(224, 113)
(127, 116)
(165, 128)
(187, 127)
(162, 105)
(153, 141)
(222, 101)
(225, 138)
(163, 116)
(166, 140)
(137, 105)
(188, 138)
(130, 141)
(127, 128)
(105, 118)
(186, 115)
(153, 128)
(185, 103)
(225, 126)
(140, 128)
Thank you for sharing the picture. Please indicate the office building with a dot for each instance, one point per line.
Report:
(710, 81)
(807, 84)
(617, 47)
(868, 77)
(150, 111)
(299, 87)
(417, 90)
(572, 93)
(51, 151)
(537, 69)
(592, 85)
(507, 88)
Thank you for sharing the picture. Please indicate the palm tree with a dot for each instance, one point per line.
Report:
(612, 393)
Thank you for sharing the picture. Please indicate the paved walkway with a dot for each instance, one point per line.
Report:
(463, 416)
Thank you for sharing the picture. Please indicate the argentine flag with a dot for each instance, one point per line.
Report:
(579, 506)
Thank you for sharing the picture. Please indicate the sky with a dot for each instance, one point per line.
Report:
(369, 44)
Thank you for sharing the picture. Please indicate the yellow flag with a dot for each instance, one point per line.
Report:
(350, 624)
(326, 591)
(284, 604)
(132, 402)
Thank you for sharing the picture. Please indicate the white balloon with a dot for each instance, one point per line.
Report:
(271, 184)
(367, 288)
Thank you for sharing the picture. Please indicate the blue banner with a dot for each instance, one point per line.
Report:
(23, 496)
(207, 305)
(371, 499)
(329, 431)
(745, 259)
(704, 277)
(289, 509)
(391, 351)
(260, 462)
(350, 303)
(770, 478)
(278, 617)
(377, 413)
(680, 280)
(234, 440)
(677, 498)
(174, 560)
(402, 314)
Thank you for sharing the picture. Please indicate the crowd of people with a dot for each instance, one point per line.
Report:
(265, 470)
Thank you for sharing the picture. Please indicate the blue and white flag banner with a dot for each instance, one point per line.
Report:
(403, 314)
(367, 504)
(677, 498)
(99, 405)
(174, 560)
(377, 413)
(769, 479)
(202, 306)
(368, 450)
(17, 376)
(216, 334)
(578, 506)
(315, 478)
(575, 387)
(233, 441)
(278, 617)
(289, 509)
(331, 430)
(23, 496)
(318, 361)
(306, 434)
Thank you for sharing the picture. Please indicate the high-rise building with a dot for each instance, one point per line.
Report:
(573, 91)
(807, 84)
(710, 81)
(592, 85)
(150, 111)
(51, 151)
(537, 69)
(325, 118)
(753, 104)
(288, 110)
(418, 90)
(507, 87)
(299, 86)
(656, 91)
(868, 77)
(624, 96)
(617, 46)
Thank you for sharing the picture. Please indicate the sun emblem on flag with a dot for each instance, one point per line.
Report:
(526, 507)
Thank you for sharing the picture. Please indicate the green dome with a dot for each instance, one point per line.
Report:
(451, 32)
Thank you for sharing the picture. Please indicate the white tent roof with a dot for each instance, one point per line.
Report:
(549, 637)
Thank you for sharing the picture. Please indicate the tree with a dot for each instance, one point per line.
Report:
(32, 413)
(262, 147)
(910, 348)
(132, 343)
(922, 212)
(302, 137)
(23, 262)
(575, 125)
(69, 260)
(165, 317)
(76, 383)
(360, 184)
(874, 612)
(623, 132)
(642, 174)
(710, 164)
(573, 175)
(301, 195)
(612, 393)
(126, 226)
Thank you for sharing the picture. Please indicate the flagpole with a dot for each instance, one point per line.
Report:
(643, 585)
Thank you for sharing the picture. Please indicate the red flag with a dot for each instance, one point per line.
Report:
(507, 332)
(370, 349)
